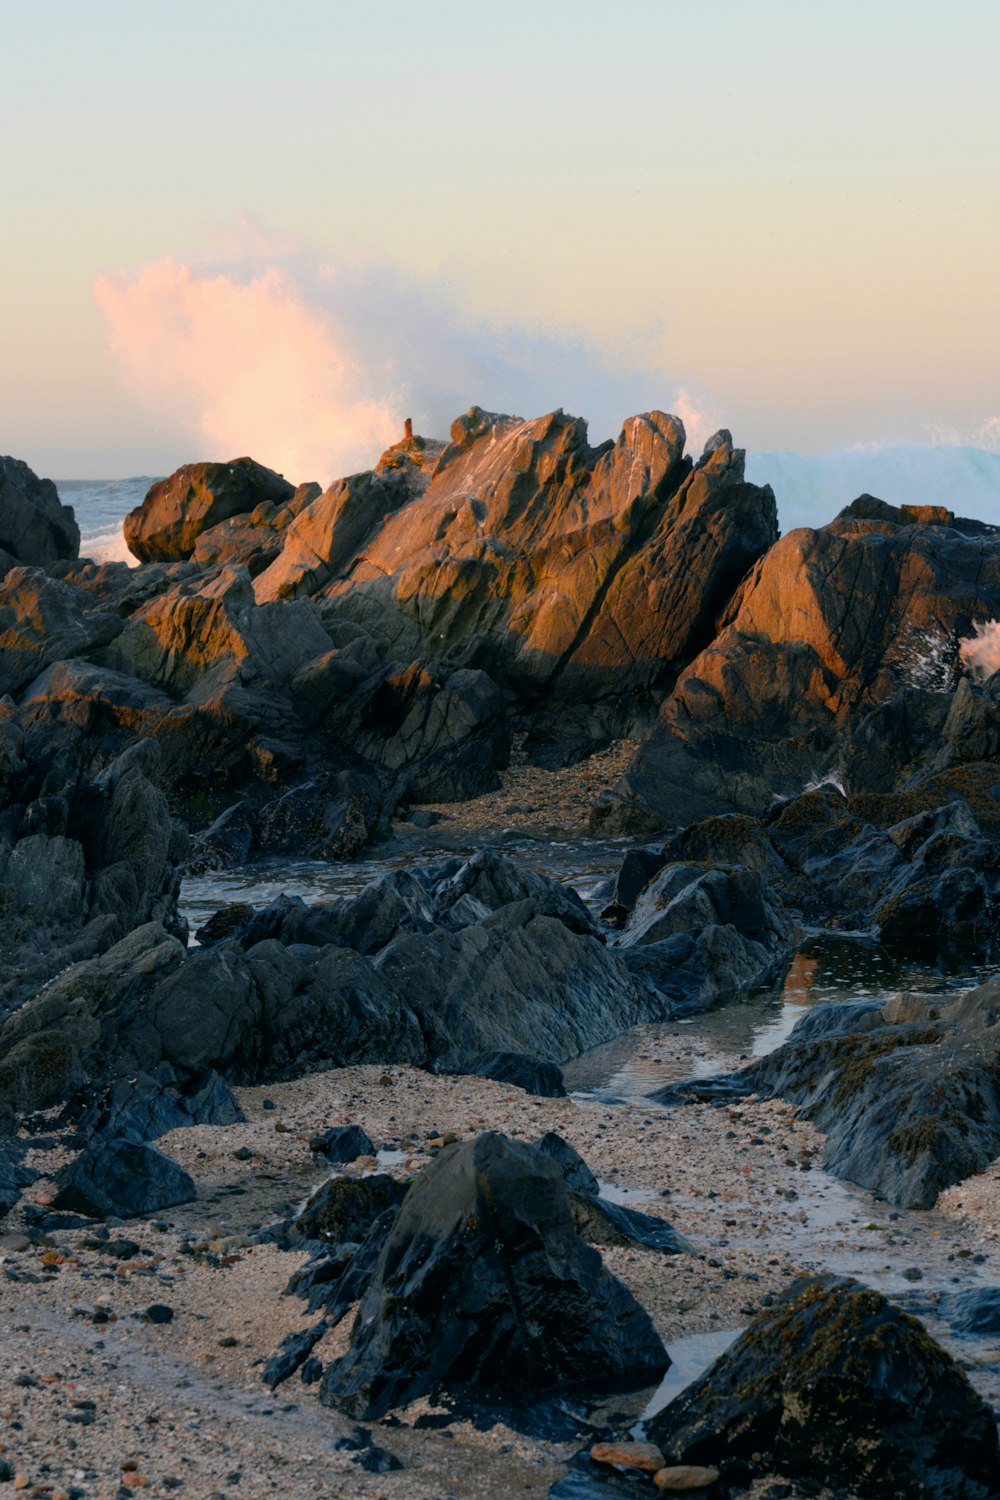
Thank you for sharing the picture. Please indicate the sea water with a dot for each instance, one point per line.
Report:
(100, 507)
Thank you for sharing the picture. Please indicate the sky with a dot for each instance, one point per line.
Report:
(282, 228)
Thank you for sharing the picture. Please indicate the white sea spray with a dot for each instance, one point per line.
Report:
(980, 652)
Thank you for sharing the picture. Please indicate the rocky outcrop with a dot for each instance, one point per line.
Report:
(483, 1287)
(324, 539)
(835, 1385)
(81, 864)
(907, 1093)
(175, 512)
(928, 884)
(45, 620)
(553, 566)
(35, 527)
(459, 960)
(827, 627)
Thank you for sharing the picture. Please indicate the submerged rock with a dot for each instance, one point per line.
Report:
(836, 1385)
(484, 1286)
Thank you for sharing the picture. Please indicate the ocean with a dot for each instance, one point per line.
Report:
(809, 491)
(101, 506)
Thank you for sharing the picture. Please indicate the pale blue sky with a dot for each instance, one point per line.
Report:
(789, 212)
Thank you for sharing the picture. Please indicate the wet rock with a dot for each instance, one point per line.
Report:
(536, 987)
(603, 1223)
(344, 1209)
(122, 1178)
(338, 1274)
(906, 1093)
(576, 1174)
(159, 1313)
(683, 1478)
(175, 512)
(533, 1074)
(35, 527)
(699, 937)
(292, 1354)
(483, 1285)
(326, 817)
(836, 1385)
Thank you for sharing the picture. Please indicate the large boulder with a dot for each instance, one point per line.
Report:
(703, 936)
(168, 523)
(828, 625)
(835, 1385)
(484, 1287)
(517, 981)
(122, 1177)
(35, 527)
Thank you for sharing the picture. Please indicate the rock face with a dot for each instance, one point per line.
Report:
(168, 523)
(42, 621)
(907, 1092)
(553, 565)
(35, 527)
(484, 1287)
(324, 659)
(827, 627)
(835, 1385)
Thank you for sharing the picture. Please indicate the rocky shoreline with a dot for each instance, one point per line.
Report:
(327, 1149)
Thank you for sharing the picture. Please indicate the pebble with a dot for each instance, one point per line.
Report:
(646, 1456)
(158, 1312)
(685, 1477)
(15, 1242)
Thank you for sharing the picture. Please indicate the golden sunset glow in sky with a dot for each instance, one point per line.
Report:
(220, 219)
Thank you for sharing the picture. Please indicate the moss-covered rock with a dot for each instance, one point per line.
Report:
(835, 1384)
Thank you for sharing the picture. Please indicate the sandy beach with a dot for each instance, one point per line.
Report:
(99, 1401)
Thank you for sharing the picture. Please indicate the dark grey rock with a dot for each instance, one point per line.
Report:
(35, 527)
(292, 1353)
(343, 1144)
(532, 1074)
(976, 1310)
(122, 1178)
(483, 1285)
